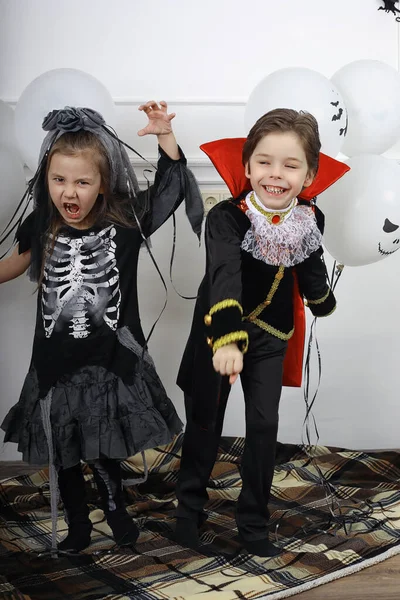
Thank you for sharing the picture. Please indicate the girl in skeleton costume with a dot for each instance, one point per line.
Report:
(263, 249)
(92, 392)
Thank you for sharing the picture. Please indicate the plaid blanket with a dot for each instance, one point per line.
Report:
(331, 513)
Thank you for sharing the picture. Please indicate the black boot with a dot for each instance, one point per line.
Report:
(261, 547)
(73, 494)
(187, 533)
(107, 475)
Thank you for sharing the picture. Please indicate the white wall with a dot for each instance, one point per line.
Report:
(204, 59)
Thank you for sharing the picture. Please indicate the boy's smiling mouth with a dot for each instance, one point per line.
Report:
(272, 189)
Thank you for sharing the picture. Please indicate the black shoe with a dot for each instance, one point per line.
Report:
(107, 475)
(78, 537)
(73, 495)
(124, 530)
(187, 533)
(261, 547)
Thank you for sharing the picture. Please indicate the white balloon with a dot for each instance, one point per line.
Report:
(371, 91)
(7, 126)
(52, 90)
(302, 89)
(362, 211)
(12, 183)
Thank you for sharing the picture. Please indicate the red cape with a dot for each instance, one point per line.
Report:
(226, 156)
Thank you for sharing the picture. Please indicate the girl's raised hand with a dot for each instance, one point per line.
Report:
(159, 119)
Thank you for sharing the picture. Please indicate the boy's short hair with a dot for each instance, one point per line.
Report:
(286, 120)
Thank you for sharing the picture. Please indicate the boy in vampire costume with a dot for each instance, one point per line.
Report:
(263, 258)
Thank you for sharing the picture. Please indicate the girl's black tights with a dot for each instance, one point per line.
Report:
(107, 475)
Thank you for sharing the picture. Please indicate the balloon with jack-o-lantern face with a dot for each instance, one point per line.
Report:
(362, 211)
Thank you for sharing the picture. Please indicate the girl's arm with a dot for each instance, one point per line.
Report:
(173, 182)
(160, 125)
(14, 265)
(168, 143)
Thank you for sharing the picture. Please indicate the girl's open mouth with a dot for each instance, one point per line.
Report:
(72, 209)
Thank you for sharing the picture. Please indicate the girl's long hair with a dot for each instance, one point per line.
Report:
(108, 209)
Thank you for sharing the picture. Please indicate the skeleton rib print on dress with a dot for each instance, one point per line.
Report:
(81, 283)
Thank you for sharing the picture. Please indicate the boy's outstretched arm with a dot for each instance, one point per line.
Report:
(14, 265)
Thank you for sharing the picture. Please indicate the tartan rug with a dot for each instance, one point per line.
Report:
(327, 527)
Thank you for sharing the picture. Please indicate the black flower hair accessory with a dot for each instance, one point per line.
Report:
(71, 119)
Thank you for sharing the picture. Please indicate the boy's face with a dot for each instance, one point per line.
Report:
(74, 185)
(278, 169)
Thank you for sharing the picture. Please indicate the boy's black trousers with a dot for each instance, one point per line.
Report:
(262, 384)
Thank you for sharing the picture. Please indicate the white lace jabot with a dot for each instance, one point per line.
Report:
(281, 237)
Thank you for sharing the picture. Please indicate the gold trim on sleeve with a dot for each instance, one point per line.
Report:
(327, 314)
(230, 338)
(228, 303)
(320, 300)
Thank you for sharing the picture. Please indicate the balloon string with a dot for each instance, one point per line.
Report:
(16, 220)
(336, 273)
(336, 517)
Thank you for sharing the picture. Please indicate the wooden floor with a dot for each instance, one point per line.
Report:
(380, 582)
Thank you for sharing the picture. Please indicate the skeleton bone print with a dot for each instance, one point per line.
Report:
(81, 284)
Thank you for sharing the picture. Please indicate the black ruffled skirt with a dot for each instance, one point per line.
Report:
(93, 415)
